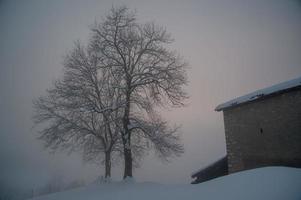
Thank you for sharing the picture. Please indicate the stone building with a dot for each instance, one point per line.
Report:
(263, 128)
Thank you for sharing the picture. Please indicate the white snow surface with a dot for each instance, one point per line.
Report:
(268, 183)
(260, 93)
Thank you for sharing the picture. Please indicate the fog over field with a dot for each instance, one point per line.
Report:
(232, 47)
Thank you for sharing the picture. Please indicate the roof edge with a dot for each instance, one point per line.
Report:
(194, 174)
(258, 94)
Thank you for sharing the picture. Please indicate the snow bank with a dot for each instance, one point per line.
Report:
(269, 183)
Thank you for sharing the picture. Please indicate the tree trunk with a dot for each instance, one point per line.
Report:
(108, 164)
(126, 138)
(128, 168)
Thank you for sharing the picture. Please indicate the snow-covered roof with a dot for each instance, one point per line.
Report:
(260, 93)
(219, 161)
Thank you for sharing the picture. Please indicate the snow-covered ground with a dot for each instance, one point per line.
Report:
(269, 183)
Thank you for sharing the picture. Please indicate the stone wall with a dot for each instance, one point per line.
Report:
(264, 132)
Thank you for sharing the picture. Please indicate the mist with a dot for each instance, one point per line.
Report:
(232, 47)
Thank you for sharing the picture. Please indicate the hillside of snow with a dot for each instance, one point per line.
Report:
(269, 183)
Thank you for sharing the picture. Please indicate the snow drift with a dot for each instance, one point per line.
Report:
(269, 183)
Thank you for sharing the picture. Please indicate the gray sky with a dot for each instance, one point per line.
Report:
(233, 47)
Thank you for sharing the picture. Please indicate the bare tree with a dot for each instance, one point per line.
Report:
(149, 75)
(80, 110)
(110, 91)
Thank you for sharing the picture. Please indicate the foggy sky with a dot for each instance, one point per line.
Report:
(233, 47)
